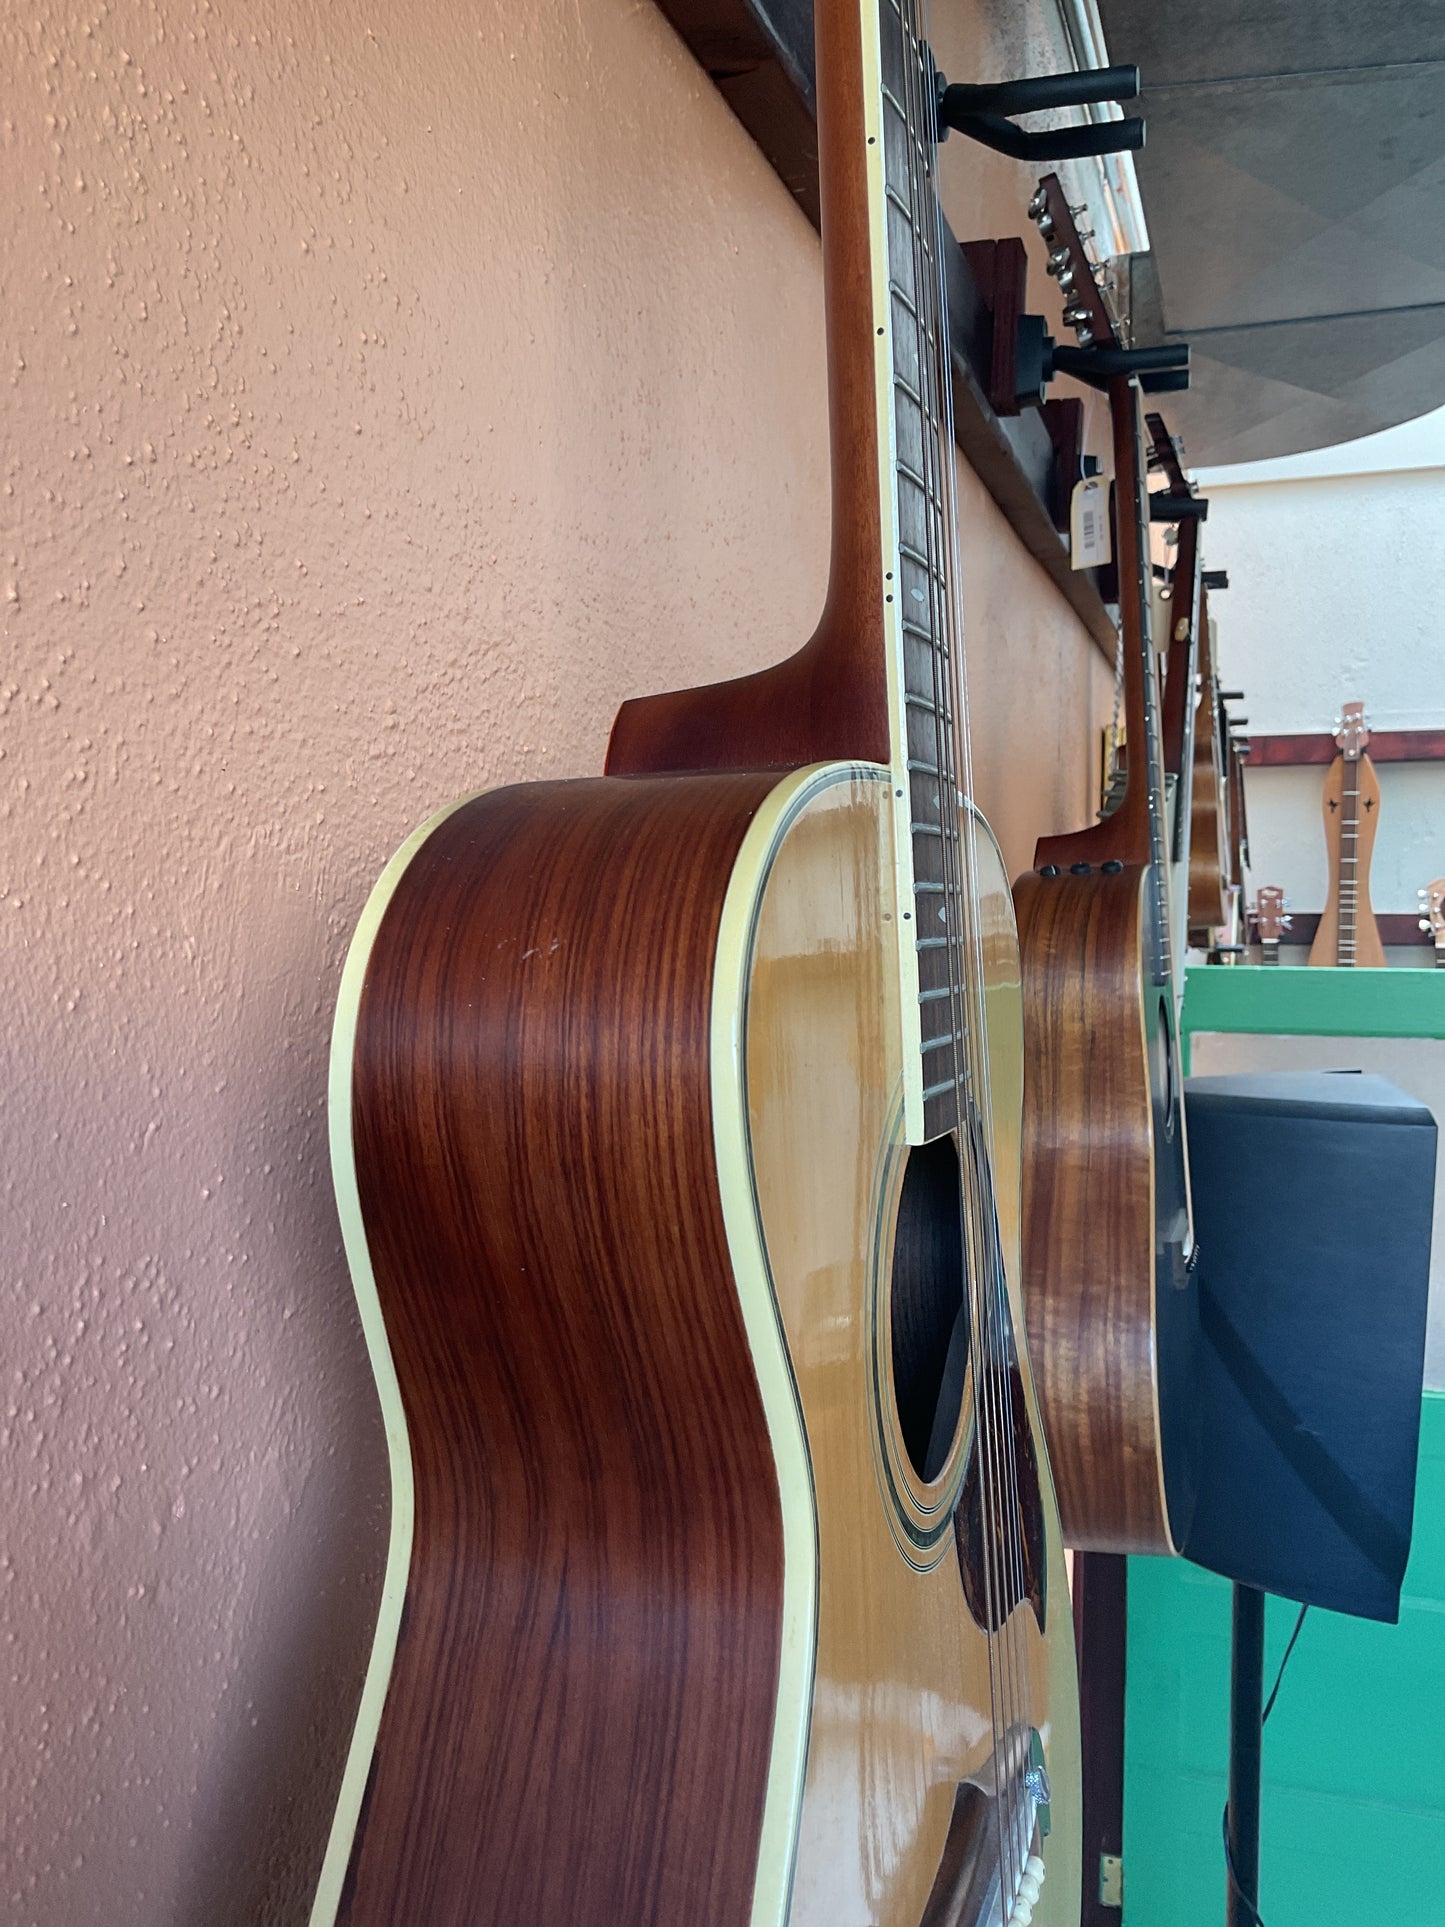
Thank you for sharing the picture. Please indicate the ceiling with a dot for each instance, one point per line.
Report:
(1294, 185)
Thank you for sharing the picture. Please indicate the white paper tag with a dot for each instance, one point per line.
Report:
(1089, 544)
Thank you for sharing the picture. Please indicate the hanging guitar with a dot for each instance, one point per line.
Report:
(1348, 935)
(675, 1128)
(1210, 856)
(1111, 1301)
(1432, 919)
(1180, 706)
(1270, 921)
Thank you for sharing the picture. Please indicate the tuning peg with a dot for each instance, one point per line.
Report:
(1058, 260)
(1077, 317)
(1425, 923)
(1066, 281)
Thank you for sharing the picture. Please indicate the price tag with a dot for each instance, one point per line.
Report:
(1089, 544)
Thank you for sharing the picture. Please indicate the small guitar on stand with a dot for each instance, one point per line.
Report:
(1270, 920)
(1348, 934)
(1432, 905)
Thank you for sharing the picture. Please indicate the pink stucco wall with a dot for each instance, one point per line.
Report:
(391, 390)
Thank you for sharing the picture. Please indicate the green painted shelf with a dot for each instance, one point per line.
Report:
(1353, 1820)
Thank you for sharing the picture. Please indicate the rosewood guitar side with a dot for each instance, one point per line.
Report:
(1097, 1230)
(590, 1642)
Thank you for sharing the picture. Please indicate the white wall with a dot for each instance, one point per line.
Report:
(1336, 562)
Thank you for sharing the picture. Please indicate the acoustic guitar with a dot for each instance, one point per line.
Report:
(676, 1137)
(1181, 704)
(1348, 935)
(1270, 921)
(1107, 1247)
(1432, 921)
(1210, 852)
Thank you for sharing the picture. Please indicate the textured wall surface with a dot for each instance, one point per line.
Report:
(391, 390)
(1335, 595)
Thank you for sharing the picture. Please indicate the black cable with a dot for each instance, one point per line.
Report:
(1254, 1917)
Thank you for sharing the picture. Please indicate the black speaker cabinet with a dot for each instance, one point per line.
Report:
(1312, 1203)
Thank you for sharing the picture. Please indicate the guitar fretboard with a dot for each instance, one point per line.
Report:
(920, 582)
(1349, 877)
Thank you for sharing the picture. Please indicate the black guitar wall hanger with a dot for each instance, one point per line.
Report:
(1162, 369)
(1165, 506)
(982, 114)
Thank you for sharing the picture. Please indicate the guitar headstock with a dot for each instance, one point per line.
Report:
(1269, 915)
(1351, 731)
(1166, 454)
(1073, 267)
(1432, 911)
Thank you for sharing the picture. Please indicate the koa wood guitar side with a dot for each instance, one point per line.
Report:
(676, 1134)
(1112, 1306)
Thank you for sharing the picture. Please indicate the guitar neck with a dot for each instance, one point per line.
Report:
(1269, 950)
(1348, 881)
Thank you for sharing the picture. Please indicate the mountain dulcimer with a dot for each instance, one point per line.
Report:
(1107, 1246)
(1347, 934)
(676, 1136)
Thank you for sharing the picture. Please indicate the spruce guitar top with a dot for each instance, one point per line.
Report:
(1112, 1304)
(1348, 934)
(676, 1136)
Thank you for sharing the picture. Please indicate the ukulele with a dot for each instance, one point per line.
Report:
(1348, 934)
(1432, 904)
(1270, 921)
(1112, 1306)
(676, 1136)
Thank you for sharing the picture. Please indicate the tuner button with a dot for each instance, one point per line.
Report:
(1112, 867)
(1039, 205)
(1079, 869)
(1424, 923)
(1049, 870)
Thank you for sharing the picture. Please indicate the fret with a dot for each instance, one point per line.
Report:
(928, 888)
(922, 769)
(935, 996)
(933, 943)
(932, 829)
(939, 1043)
(937, 1090)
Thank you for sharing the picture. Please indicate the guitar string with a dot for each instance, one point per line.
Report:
(991, 1378)
(993, 1282)
(924, 287)
(1006, 1510)
(998, 1370)
(995, 1378)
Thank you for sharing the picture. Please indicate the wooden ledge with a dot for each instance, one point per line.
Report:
(1384, 746)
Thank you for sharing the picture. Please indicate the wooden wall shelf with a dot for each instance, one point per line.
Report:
(1396, 927)
(760, 58)
(1384, 746)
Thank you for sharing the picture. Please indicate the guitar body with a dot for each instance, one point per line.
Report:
(1367, 951)
(1209, 861)
(1111, 1305)
(673, 1629)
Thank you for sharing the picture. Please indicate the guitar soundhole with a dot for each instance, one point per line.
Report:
(926, 1297)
